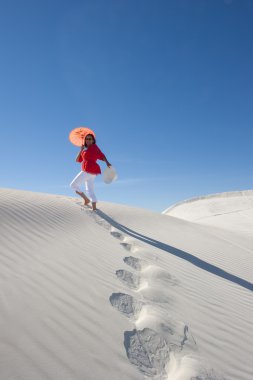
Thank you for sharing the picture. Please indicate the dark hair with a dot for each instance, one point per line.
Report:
(94, 140)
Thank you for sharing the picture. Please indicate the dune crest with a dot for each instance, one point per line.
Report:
(231, 210)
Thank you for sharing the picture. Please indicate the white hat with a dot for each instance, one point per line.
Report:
(109, 175)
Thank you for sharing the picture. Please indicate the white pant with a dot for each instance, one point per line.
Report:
(88, 180)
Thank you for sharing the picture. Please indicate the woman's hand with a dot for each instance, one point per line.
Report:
(107, 162)
(79, 154)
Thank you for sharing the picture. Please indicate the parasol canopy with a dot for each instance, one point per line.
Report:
(77, 135)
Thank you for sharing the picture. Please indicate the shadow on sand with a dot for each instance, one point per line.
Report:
(178, 252)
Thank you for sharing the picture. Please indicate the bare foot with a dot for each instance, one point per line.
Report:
(86, 199)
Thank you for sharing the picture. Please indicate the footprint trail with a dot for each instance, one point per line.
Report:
(161, 347)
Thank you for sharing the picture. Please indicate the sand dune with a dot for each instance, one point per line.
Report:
(124, 293)
(232, 210)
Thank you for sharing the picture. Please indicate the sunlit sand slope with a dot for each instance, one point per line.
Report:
(124, 293)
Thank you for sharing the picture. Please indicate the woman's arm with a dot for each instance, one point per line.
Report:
(79, 154)
(106, 161)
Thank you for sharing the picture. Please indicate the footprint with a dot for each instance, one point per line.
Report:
(165, 277)
(117, 235)
(156, 295)
(126, 304)
(147, 350)
(208, 374)
(127, 246)
(133, 262)
(159, 275)
(128, 278)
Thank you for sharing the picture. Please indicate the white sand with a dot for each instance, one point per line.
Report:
(123, 293)
(232, 210)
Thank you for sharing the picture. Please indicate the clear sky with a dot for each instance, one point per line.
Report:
(167, 85)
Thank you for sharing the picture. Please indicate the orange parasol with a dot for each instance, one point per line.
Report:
(77, 135)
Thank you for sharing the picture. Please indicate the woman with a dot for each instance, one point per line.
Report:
(90, 169)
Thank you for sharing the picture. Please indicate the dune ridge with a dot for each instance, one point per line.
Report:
(229, 210)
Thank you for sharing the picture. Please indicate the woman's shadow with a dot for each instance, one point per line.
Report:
(178, 252)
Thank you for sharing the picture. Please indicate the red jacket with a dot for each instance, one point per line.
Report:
(89, 157)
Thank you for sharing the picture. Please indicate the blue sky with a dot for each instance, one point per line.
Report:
(167, 86)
